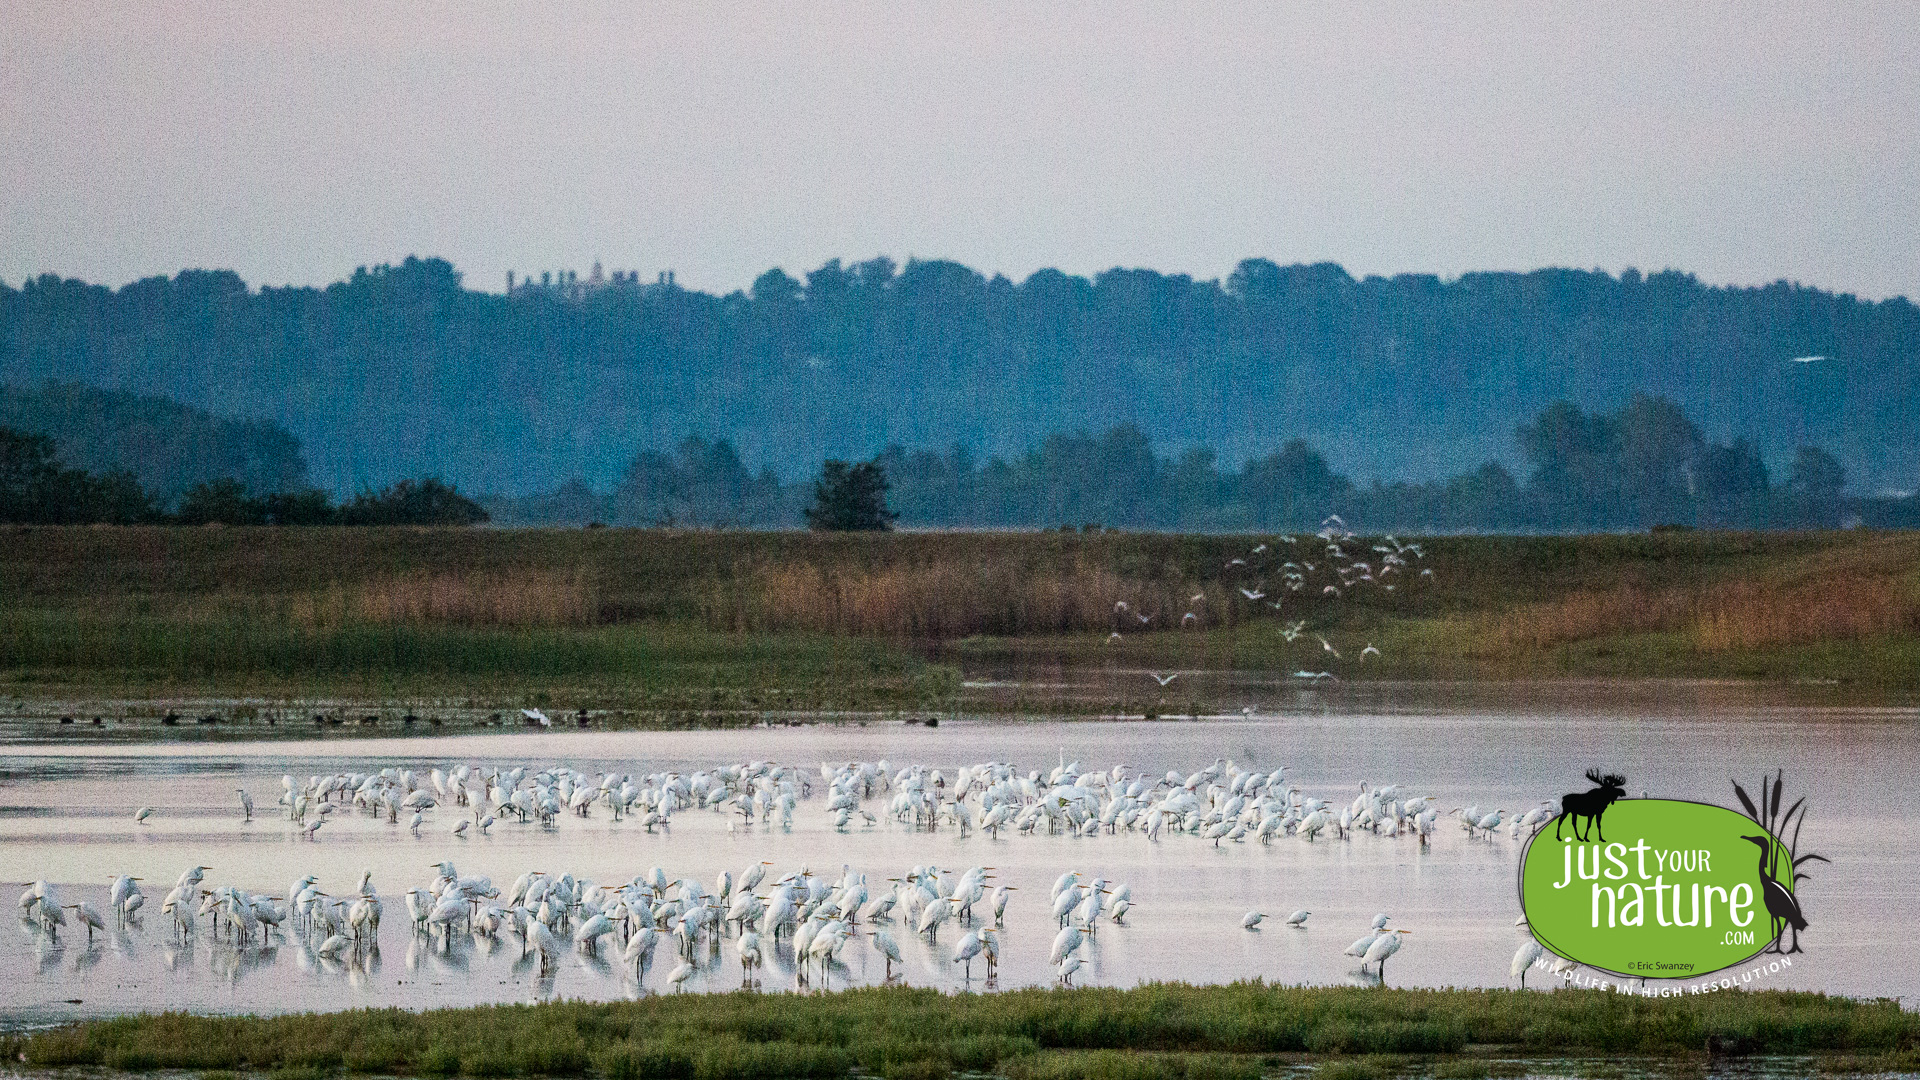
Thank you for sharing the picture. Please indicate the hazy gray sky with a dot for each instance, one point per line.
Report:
(292, 141)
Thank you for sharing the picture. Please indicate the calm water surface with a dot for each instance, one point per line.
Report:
(66, 815)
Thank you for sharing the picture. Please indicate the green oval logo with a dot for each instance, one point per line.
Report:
(1674, 890)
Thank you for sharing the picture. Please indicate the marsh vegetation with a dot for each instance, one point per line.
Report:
(1244, 1030)
(773, 620)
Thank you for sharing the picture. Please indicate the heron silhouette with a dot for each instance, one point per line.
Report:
(1781, 906)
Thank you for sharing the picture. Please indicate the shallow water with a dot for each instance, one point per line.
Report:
(66, 816)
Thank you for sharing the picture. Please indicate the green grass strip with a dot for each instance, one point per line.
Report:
(1172, 1030)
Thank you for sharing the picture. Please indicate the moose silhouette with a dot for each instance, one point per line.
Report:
(1590, 805)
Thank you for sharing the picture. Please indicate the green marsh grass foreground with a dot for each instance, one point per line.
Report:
(740, 623)
(1243, 1030)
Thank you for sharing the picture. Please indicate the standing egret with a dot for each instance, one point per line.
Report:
(246, 803)
(889, 948)
(1064, 903)
(1299, 918)
(756, 873)
(679, 976)
(1067, 967)
(588, 936)
(967, 948)
(88, 917)
(141, 815)
(1251, 920)
(1065, 943)
(123, 889)
(750, 955)
(1530, 951)
(1383, 946)
(543, 942)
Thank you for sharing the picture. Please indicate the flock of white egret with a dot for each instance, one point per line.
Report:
(1220, 803)
(806, 919)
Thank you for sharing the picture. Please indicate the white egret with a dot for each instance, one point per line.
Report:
(1530, 951)
(680, 974)
(543, 941)
(889, 948)
(1383, 946)
(88, 917)
(1251, 920)
(966, 949)
(1065, 943)
(1298, 918)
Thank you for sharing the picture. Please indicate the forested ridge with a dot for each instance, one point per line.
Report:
(401, 371)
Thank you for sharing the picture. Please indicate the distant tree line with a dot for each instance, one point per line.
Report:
(37, 488)
(169, 447)
(1411, 375)
(702, 484)
(1640, 466)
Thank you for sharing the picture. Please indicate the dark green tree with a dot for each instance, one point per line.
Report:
(300, 508)
(429, 501)
(1291, 487)
(221, 502)
(1816, 475)
(850, 498)
(27, 469)
(35, 488)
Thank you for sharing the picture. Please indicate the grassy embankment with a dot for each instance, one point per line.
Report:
(1244, 1030)
(703, 624)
